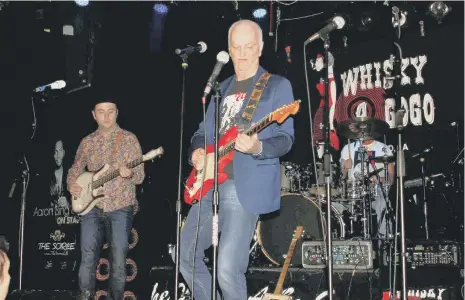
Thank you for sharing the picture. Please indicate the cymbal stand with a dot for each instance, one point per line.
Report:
(425, 202)
(366, 219)
(384, 190)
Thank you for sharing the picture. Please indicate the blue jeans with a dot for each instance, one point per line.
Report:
(117, 226)
(237, 227)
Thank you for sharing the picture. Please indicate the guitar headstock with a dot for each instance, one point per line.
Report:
(153, 154)
(298, 232)
(285, 111)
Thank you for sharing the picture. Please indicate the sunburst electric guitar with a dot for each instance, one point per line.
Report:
(90, 182)
(200, 182)
(277, 295)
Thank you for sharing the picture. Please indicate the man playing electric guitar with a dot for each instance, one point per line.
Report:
(253, 185)
(114, 147)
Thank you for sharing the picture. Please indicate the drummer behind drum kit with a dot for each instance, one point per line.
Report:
(303, 203)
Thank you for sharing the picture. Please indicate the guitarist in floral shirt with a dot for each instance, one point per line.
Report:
(114, 146)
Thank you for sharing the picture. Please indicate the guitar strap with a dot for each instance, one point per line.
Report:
(254, 99)
(117, 141)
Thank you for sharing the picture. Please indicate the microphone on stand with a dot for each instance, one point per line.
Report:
(426, 150)
(337, 23)
(201, 48)
(57, 85)
(221, 59)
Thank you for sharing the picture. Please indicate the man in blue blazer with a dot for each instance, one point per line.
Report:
(253, 185)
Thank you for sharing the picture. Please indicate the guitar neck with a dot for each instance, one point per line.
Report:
(113, 174)
(259, 126)
(279, 286)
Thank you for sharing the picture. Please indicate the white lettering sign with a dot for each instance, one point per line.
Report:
(184, 293)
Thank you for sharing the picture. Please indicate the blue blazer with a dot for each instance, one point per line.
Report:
(257, 177)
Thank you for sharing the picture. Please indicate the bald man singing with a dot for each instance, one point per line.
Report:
(253, 185)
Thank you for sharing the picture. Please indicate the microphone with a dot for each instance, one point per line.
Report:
(337, 23)
(201, 48)
(57, 85)
(426, 150)
(221, 59)
(12, 190)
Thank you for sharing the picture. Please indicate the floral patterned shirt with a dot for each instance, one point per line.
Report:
(95, 151)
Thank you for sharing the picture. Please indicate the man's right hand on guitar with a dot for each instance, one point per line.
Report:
(75, 190)
(198, 159)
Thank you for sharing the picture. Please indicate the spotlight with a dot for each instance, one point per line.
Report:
(439, 10)
(366, 21)
(402, 19)
(259, 13)
(82, 3)
(160, 8)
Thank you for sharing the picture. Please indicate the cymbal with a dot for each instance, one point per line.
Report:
(363, 128)
(383, 159)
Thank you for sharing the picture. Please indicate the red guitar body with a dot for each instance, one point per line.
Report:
(198, 185)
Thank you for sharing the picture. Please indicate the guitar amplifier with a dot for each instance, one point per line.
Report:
(347, 255)
(430, 254)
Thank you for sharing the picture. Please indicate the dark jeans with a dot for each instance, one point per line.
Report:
(237, 227)
(117, 226)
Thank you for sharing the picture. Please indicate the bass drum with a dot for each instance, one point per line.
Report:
(275, 230)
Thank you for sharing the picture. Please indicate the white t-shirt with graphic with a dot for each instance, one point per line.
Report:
(232, 104)
(374, 149)
(229, 110)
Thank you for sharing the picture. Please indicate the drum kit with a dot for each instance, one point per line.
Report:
(303, 199)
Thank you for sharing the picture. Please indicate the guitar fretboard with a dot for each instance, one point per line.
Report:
(251, 131)
(113, 174)
(279, 287)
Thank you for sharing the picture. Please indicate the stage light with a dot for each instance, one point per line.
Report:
(160, 8)
(82, 3)
(259, 13)
(439, 10)
(366, 21)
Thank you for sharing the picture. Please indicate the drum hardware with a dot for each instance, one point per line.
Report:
(362, 129)
(318, 189)
(293, 177)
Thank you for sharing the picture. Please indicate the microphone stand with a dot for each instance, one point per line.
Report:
(401, 173)
(400, 176)
(184, 66)
(25, 176)
(327, 174)
(215, 225)
(425, 204)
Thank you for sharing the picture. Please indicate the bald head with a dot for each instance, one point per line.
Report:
(245, 41)
(246, 25)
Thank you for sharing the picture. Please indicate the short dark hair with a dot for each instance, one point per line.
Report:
(4, 245)
(104, 101)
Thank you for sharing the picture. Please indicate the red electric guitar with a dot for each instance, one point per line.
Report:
(200, 182)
